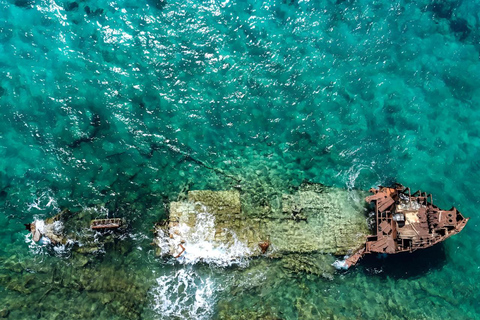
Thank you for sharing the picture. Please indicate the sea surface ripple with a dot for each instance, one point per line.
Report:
(121, 104)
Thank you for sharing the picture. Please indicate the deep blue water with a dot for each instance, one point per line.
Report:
(120, 104)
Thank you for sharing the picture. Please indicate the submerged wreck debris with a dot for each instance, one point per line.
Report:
(79, 230)
(264, 246)
(49, 230)
(227, 226)
(407, 222)
(113, 223)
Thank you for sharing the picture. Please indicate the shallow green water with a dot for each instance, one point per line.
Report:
(120, 105)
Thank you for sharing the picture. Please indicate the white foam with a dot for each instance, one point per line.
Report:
(57, 228)
(39, 225)
(39, 247)
(43, 202)
(63, 249)
(212, 253)
(200, 244)
(340, 264)
(184, 294)
(34, 247)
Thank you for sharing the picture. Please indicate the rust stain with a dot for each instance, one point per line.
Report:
(264, 246)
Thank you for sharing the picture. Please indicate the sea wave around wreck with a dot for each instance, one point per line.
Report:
(122, 105)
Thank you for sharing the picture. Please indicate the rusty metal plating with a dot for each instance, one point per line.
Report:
(406, 222)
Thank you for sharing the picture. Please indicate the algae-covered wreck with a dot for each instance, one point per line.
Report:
(79, 230)
(228, 226)
(207, 225)
(314, 218)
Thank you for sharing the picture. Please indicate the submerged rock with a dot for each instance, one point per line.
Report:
(226, 226)
(114, 290)
(316, 264)
(4, 313)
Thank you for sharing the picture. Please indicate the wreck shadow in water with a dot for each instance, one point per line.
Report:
(405, 265)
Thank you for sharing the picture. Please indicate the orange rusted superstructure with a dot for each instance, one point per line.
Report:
(406, 222)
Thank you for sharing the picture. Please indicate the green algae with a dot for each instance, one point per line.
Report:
(40, 289)
(314, 218)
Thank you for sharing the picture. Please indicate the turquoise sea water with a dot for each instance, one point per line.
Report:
(118, 105)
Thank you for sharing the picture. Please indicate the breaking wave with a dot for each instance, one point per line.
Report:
(188, 293)
(45, 201)
(340, 264)
(43, 246)
(184, 294)
(193, 244)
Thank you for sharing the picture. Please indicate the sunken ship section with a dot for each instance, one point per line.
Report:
(406, 222)
(204, 225)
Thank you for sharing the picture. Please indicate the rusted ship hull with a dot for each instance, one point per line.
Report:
(406, 222)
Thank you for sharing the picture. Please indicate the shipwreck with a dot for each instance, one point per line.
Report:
(406, 222)
(227, 226)
(81, 230)
(231, 225)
